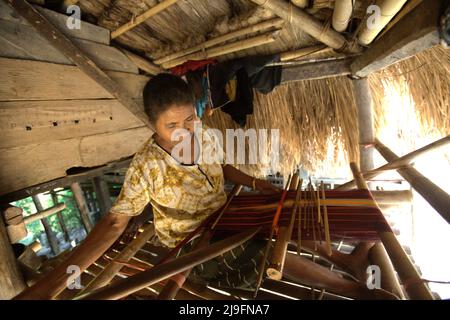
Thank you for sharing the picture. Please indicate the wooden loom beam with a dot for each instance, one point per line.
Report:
(168, 269)
(414, 285)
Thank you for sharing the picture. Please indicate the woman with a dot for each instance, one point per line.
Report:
(182, 194)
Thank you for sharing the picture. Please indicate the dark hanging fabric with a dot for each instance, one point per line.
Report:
(250, 73)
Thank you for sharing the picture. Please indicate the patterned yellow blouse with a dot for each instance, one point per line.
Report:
(182, 196)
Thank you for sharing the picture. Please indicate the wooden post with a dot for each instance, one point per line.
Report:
(363, 99)
(11, 279)
(82, 206)
(51, 236)
(436, 197)
(415, 288)
(44, 213)
(102, 194)
(60, 216)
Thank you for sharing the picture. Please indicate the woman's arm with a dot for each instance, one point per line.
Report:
(237, 176)
(104, 234)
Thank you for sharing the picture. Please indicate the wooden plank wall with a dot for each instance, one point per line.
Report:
(52, 116)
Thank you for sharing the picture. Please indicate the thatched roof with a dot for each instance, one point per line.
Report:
(316, 118)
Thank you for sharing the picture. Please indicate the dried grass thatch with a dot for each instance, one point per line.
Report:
(317, 119)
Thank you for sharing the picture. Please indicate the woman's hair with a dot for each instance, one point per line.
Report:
(163, 91)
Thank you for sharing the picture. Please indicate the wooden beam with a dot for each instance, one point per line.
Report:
(71, 51)
(102, 194)
(11, 279)
(19, 164)
(400, 162)
(65, 181)
(307, 23)
(142, 17)
(143, 63)
(36, 80)
(416, 32)
(23, 42)
(436, 197)
(364, 106)
(82, 206)
(317, 70)
(41, 215)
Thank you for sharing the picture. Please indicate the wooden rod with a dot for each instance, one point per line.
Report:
(82, 206)
(45, 213)
(277, 22)
(111, 270)
(436, 197)
(275, 270)
(400, 260)
(400, 162)
(141, 18)
(225, 49)
(163, 271)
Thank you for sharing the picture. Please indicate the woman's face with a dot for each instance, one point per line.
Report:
(175, 117)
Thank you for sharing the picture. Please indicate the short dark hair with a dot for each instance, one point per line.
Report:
(165, 90)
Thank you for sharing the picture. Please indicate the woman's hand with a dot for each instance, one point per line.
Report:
(265, 187)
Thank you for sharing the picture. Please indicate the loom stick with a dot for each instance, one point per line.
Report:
(269, 241)
(327, 227)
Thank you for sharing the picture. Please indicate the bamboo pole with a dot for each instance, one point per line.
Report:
(225, 49)
(300, 3)
(388, 9)
(389, 281)
(277, 22)
(400, 260)
(275, 270)
(436, 197)
(400, 162)
(44, 213)
(110, 271)
(82, 205)
(166, 270)
(343, 10)
(141, 18)
(302, 52)
(307, 23)
(364, 104)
